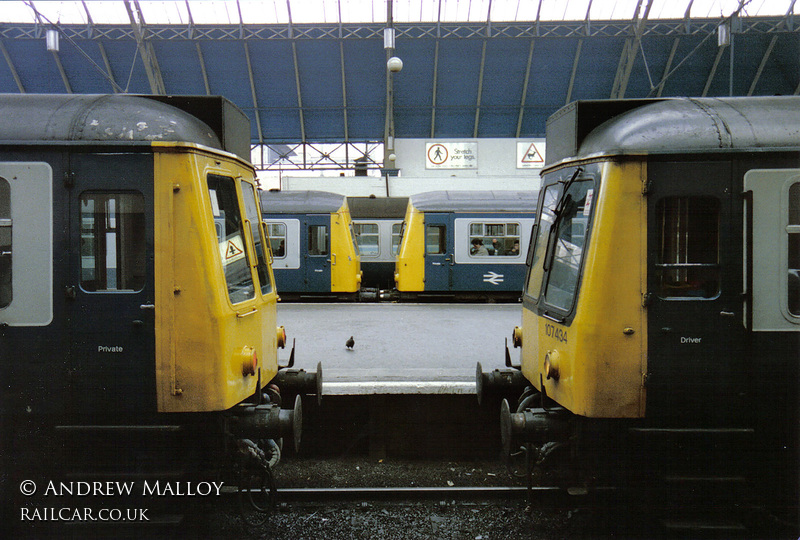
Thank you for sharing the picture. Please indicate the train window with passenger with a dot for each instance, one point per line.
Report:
(793, 238)
(5, 244)
(253, 216)
(113, 248)
(368, 239)
(687, 264)
(277, 239)
(317, 239)
(232, 247)
(435, 239)
(493, 239)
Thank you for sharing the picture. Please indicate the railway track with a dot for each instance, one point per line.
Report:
(550, 494)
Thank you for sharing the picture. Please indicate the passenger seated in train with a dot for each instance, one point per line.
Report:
(478, 249)
(497, 248)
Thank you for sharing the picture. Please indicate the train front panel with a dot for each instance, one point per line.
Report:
(345, 260)
(584, 332)
(214, 287)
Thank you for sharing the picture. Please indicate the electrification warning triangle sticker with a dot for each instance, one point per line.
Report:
(232, 250)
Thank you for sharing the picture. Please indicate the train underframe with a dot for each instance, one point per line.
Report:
(742, 470)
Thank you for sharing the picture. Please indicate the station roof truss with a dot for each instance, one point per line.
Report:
(305, 84)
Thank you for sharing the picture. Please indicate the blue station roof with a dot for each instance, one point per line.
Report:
(327, 82)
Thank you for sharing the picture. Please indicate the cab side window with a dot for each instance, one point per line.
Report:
(5, 244)
(435, 239)
(113, 249)
(793, 239)
(317, 240)
(687, 265)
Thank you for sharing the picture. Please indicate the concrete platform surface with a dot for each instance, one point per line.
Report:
(399, 348)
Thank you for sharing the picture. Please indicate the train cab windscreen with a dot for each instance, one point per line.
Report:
(561, 240)
(232, 248)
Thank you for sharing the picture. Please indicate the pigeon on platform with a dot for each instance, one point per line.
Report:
(349, 343)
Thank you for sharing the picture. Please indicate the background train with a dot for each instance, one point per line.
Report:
(661, 301)
(465, 245)
(377, 223)
(136, 295)
(313, 244)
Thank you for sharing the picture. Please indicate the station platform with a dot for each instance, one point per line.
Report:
(399, 348)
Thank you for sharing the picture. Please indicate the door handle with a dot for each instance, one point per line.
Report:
(147, 306)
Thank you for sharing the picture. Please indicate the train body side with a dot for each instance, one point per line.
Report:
(679, 304)
(116, 294)
(439, 253)
(313, 245)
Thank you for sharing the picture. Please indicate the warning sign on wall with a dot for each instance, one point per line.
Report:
(530, 155)
(451, 155)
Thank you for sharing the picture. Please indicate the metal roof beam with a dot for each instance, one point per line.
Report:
(574, 71)
(344, 91)
(296, 75)
(12, 68)
(630, 50)
(514, 30)
(109, 74)
(253, 92)
(435, 84)
(480, 90)
(202, 60)
(200, 56)
(668, 65)
(762, 64)
(713, 71)
(89, 21)
(63, 73)
(525, 89)
(145, 48)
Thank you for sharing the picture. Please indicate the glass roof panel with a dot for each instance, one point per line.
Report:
(369, 11)
(171, 12)
(361, 11)
(617, 10)
(264, 12)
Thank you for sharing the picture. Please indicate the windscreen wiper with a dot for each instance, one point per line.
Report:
(563, 200)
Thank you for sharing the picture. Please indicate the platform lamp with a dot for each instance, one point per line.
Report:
(51, 38)
(393, 65)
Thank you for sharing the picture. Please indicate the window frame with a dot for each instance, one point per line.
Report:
(238, 220)
(137, 235)
(357, 234)
(684, 247)
(485, 235)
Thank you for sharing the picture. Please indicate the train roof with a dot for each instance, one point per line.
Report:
(301, 202)
(99, 118)
(475, 201)
(377, 207)
(673, 125)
